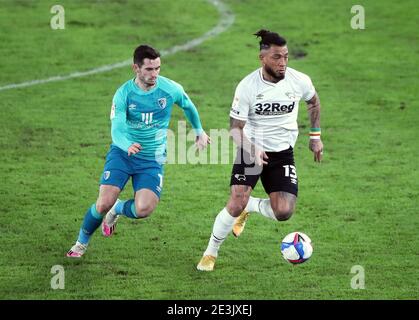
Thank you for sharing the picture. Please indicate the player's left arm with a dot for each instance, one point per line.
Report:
(315, 144)
(191, 113)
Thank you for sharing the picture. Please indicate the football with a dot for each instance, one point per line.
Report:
(296, 247)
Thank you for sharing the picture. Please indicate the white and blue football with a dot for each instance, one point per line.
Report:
(296, 247)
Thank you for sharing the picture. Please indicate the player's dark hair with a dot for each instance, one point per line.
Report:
(268, 38)
(144, 52)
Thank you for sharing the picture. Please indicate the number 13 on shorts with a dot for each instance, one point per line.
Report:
(291, 172)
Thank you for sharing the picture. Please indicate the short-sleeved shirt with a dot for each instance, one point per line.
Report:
(271, 109)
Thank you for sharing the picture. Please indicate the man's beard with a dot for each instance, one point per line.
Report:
(275, 76)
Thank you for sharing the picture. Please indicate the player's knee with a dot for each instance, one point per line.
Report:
(236, 206)
(103, 206)
(283, 211)
(235, 209)
(143, 210)
(239, 198)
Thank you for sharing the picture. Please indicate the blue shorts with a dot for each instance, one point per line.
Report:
(146, 174)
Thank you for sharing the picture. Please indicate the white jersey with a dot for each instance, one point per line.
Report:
(271, 109)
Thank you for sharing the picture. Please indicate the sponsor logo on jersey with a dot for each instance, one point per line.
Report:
(162, 103)
(142, 125)
(259, 96)
(273, 108)
(132, 106)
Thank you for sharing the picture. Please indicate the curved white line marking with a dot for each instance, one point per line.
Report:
(226, 20)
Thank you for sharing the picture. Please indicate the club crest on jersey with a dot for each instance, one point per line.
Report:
(106, 175)
(290, 95)
(162, 103)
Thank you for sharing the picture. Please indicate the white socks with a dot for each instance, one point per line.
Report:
(253, 205)
(222, 227)
(224, 223)
(262, 206)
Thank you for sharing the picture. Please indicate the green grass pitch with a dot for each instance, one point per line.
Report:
(359, 206)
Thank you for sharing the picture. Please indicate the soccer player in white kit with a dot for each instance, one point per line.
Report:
(263, 124)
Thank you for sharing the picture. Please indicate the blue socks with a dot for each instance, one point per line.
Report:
(93, 219)
(119, 208)
(91, 222)
(126, 208)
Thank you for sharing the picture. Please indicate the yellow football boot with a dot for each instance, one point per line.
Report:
(207, 263)
(240, 223)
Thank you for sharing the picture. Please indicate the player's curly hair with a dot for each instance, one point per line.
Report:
(269, 38)
(144, 52)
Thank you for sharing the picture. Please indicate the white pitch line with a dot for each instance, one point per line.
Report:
(226, 20)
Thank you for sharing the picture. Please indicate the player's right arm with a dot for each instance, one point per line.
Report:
(119, 124)
(238, 117)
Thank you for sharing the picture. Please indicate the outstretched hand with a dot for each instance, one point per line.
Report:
(202, 141)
